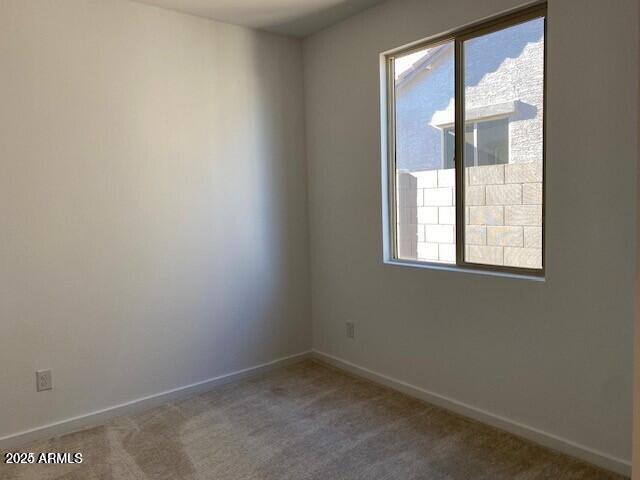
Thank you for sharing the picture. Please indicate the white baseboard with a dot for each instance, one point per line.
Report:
(549, 440)
(101, 416)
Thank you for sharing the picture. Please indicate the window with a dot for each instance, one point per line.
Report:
(486, 143)
(465, 137)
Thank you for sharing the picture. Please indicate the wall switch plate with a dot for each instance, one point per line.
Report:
(351, 330)
(43, 380)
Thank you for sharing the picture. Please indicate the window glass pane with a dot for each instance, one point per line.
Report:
(493, 142)
(449, 147)
(424, 141)
(504, 76)
(469, 145)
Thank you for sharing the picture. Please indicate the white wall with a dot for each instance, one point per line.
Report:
(152, 200)
(564, 366)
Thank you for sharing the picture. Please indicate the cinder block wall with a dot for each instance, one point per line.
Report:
(503, 215)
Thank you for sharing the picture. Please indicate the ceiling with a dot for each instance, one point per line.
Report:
(290, 17)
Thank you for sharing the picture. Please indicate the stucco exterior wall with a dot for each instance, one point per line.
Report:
(501, 67)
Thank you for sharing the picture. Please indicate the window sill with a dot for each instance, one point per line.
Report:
(456, 268)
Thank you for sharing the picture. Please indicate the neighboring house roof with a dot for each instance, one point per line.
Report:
(424, 63)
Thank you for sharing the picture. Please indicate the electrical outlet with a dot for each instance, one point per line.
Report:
(43, 380)
(351, 330)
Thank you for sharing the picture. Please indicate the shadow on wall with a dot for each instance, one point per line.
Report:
(265, 226)
(330, 15)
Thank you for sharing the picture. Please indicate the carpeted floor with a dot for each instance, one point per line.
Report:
(303, 422)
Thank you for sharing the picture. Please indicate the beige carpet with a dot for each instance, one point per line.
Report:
(306, 421)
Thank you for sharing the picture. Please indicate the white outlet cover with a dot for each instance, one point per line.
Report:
(351, 330)
(43, 380)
